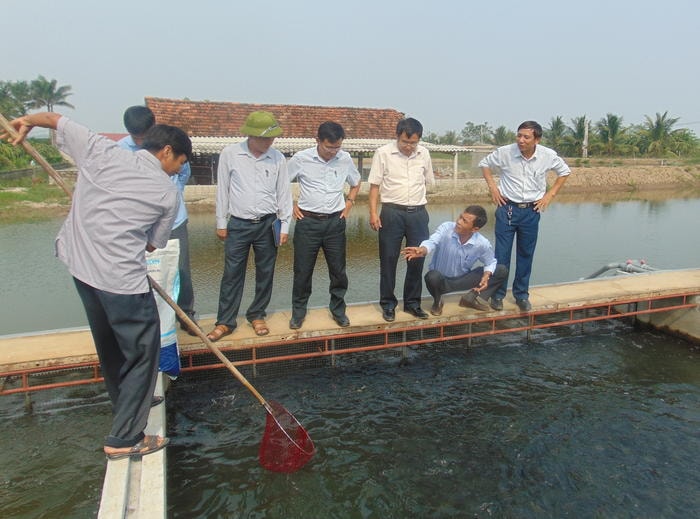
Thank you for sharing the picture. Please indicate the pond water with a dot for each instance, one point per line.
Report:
(576, 239)
(599, 424)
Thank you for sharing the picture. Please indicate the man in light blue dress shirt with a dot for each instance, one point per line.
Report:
(457, 247)
(320, 212)
(138, 120)
(521, 196)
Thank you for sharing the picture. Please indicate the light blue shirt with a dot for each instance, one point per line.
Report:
(250, 187)
(521, 179)
(321, 183)
(453, 258)
(180, 180)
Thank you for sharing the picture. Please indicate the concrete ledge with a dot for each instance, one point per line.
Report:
(137, 488)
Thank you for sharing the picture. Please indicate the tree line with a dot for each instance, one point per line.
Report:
(609, 136)
(17, 98)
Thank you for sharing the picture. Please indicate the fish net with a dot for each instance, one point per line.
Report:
(286, 446)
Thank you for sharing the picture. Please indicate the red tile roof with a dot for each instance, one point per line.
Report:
(216, 119)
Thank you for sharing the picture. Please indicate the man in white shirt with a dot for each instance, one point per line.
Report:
(400, 172)
(252, 191)
(521, 196)
(457, 247)
(320, 213)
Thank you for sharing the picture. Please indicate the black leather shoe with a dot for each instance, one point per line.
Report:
(497, 304)
(157, 400)
(295, 323)
(342, 320)
(523, 304)
(416, 311)
(389, 315)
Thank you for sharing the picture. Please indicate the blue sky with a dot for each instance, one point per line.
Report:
(442, 62)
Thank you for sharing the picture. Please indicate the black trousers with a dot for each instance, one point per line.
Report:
(310, 236)
(438, 284)
(398, 224)
(242, 236)
(126, 331)
(185, 299)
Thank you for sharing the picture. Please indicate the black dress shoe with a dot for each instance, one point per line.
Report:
(416, 311)
(497, 304)
(342, 320)
(295, 323)
(523, 304)
(389, 315)
(157, 400)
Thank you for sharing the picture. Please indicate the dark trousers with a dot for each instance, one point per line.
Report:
(310, 236)
(520, 225)
(126, 332)
(398, 224)
(185, 299)
(242, 236)
(438, 284)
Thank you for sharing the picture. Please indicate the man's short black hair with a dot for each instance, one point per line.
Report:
(162, 135)
(330, 131)
(410, 127)
(532, 125)
(479, 214)
(138, 119)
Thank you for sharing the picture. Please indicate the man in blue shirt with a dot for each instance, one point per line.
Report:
(138, 120)
(457, 246)
(520, 197)
(320, 213)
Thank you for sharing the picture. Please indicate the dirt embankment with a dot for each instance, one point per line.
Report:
(599, 183)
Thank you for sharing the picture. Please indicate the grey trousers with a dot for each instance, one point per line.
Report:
(126, 331)
(186, 298)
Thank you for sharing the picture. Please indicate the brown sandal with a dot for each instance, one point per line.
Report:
(221, 330)
(260, 327)
(148, 445)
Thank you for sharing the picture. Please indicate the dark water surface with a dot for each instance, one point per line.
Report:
(600, 424)
(603, 424)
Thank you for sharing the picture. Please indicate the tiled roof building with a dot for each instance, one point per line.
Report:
(214, 125)
(217, 119)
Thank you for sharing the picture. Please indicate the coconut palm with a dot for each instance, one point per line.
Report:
(555, 134)
(659, 133)
(502, 136)
(610, 131)
(45, 93)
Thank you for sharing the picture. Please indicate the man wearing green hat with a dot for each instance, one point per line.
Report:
(253, 190)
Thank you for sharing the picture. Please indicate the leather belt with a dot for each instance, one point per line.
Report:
(319, 216)
(407, 208)
(254, 220)
(520, 205)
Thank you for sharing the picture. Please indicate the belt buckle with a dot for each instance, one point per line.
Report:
(411, 208)
(255, 220)
(523, 205)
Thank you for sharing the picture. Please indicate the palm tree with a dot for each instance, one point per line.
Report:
(659, 133)
(610, 131)
(449, 137)
(576, 136)
(555, 134)
(45, 93)
(501, 136)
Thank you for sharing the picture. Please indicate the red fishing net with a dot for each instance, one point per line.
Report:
(286, 446)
